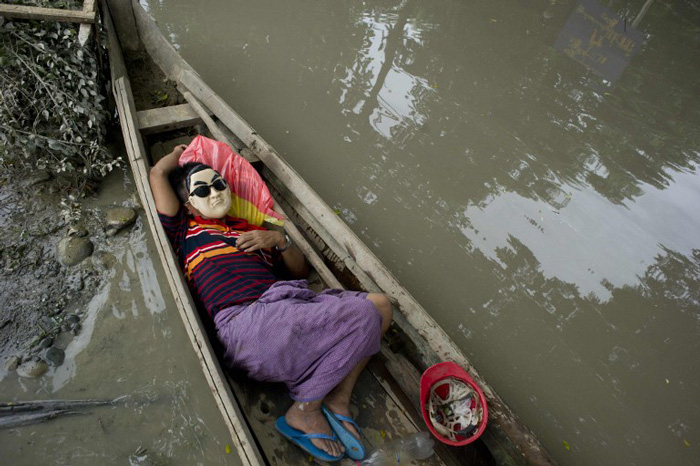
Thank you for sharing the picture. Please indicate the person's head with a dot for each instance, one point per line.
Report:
(201, 189)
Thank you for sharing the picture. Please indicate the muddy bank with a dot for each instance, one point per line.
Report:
(52, 258)
(130, 346)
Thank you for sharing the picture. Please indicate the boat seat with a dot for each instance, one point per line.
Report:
(158, 120)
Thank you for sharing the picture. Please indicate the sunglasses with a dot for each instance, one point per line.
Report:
(205, 190)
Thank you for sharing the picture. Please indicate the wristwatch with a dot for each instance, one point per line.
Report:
(286, 246)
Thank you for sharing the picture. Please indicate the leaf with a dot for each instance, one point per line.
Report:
(566, 445)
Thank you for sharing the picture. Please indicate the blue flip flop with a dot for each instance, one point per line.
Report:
(303, 440)
(353, 446)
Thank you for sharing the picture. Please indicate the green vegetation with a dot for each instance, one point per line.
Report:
(52, 112)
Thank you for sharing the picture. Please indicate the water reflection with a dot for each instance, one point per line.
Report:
(376, 86)
(575, 200)
(545, 216)
(626, 239)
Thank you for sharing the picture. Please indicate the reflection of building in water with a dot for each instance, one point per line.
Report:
(600, 39)
(377, 87)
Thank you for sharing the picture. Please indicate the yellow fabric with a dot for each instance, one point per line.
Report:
(240, 208)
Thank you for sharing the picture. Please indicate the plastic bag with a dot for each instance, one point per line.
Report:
(250, 198)
(418, 446)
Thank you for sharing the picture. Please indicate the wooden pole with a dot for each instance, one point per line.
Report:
(46, 14)
(85, 30)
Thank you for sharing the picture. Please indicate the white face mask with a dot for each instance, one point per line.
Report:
(215, 203)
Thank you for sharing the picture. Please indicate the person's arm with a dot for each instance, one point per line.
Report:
(293, 258)
(166, 200)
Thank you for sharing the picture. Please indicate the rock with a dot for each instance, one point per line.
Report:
(46, 342)
(103, 260)
(78, 230)
(12, 362)
(54, 356)
(71, 319)
(72, 250)
(32, 369)
(118, 218)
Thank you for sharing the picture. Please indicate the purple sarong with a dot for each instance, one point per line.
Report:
(308, 340)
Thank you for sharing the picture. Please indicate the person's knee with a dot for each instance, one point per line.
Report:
(383, 305)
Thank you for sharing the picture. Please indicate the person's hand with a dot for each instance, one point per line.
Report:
(179, 149)
(170, 161)
(250, 241)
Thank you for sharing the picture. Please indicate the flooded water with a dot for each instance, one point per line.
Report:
(533, 182)
(132, 346)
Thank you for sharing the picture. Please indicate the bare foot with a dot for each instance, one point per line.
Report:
(308, 418)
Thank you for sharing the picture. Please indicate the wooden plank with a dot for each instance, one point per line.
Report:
(90, 6)
(84, 34)
(85, 31)
(241, 437)
(158, 120)
(309, 252)
(46, 14)
(374, 409)
(160, 50)
(204, 115)
(215, 129)
(123, 16)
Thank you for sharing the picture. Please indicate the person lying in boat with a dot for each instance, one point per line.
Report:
(276, 330)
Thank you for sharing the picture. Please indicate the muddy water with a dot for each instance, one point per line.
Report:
(133, 345)
(545, 216)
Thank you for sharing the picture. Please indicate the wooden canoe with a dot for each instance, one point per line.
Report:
(387, 393)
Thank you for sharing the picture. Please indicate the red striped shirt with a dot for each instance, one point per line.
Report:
(218, 273)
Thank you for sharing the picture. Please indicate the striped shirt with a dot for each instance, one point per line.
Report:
(218, 273)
